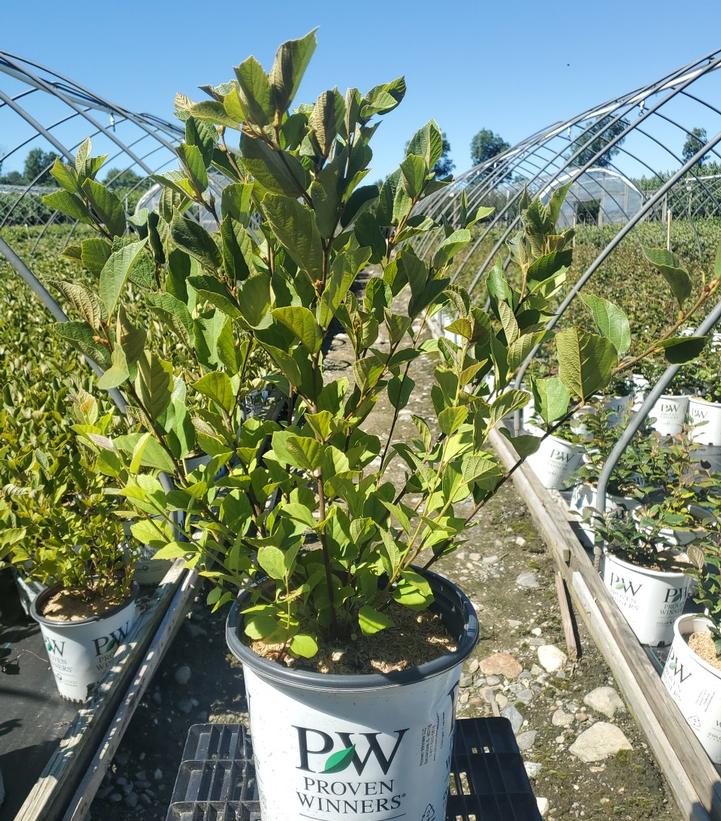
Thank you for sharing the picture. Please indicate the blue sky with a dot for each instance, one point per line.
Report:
(512, 66)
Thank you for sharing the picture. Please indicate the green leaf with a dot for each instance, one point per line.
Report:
(302, 323)
(680, 349)
(271, 559)
(551, 398)
(196, 241)
(291, 61)
(302, 452)
(450, 247)
(373, 621)
(428, 143)
(118, 373)
(85, 302)
(670, 268)
(259, 625)
(216, 385)
(611, 321)
(585, 361)
(69, 204)
(295, 226)
(107, 206)
(194, 166)
(383, 98)
(277, 171)
(324, 120)
(213, 112)
(154, 383)
(509, 322)
(94, 253)
(413, 590)
(519, 349)
(546, 266)
(254, 92)
(400, 390)
(413, 175)
(254, 300)
(303, 645)
(115, 273)
(339, 761)
(450, 419)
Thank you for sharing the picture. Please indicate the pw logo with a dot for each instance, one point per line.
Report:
(619, 583)
(313, 743)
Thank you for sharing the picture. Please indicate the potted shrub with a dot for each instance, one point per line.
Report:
(62, 536)
(692, 673)
(648, 582)
(704, 405)
(332, 560)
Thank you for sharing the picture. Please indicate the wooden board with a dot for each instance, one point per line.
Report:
(65, 768)
(691, 776)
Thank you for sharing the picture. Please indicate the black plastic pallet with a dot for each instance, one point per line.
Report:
(216, 779)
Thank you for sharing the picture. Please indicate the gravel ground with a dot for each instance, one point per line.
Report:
(585, 755)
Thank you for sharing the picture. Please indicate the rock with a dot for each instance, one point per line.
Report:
(500, 664)
(535, 641)
(512, 714)
(157, 698)
(561, 719)
(115, 797)
(501, 700)
(526, 740)
(492, 680)
(122, 757)
(605, 700)
(182, 675)
(536, 631)
(542, 806)
(537, 671)
(533, 769)
(131, 799)
(466, 679)
(527, 580)
(514, 623)
(599, 742)
(551, 658)
(490, 560)
(185, 706)
(473, 666)
(195, 631)
(520, 541)
(158, 774)
(525, 695)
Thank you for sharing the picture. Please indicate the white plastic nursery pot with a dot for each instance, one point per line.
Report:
(650, 600)
(28, 591)
(352, 747)
(81, 651)
(556, 462)
(669, 414)
(586, 496)
(704, 422)
(615, 406)
(695, 685)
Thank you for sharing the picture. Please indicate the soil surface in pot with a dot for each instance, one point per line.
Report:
(702, 644)
(414, 639)
(67, 605)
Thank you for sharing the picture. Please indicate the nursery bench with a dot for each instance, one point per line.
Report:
(216, 779)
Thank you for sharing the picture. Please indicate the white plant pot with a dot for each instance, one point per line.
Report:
(669, 414)
(585, 497)
(704, 422)
(695, 685)
(556, 462)
(615, 406)
(709, 455)
(397, 728)
(650, 600)
(81, 651)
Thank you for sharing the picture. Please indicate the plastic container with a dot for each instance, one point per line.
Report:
(488, 779)
(584, 497)
(556, 462)
(356, 747)
(650, 600)
(695, 685)
(669, 414)
(81, 651)
(704, 422)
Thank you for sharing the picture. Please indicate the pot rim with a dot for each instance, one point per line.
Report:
(685, 396)
(41, 598)
(677, 632)
(447, 596)
(638, 568)
(561, 441)
(699, 401)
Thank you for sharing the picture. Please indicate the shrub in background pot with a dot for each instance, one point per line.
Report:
(650, 586)
(668, 414)
(300, 513)
(69, 549)
(556, 462)
(692, 673)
